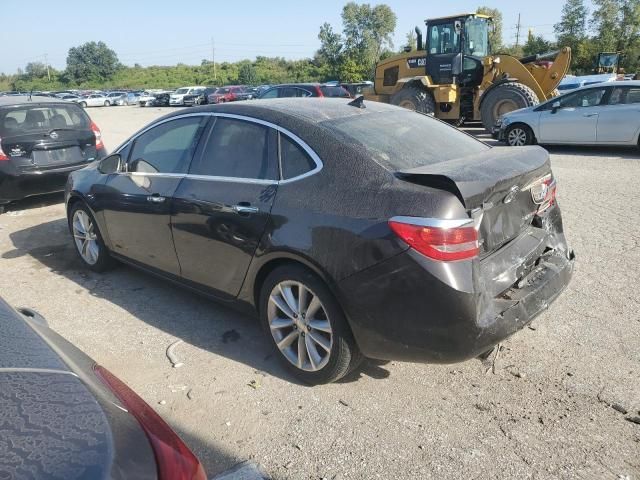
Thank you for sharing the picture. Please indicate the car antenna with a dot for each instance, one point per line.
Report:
(358, 102)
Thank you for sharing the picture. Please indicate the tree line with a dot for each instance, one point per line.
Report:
(349, 56)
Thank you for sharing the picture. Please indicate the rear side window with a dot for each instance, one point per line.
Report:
(36, 118)
(334, 91)
(236, 149)
(624, 95)
(294, 161)
(401, 139)
(167, 148)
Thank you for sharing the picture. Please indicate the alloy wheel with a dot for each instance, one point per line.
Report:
(85, 237)
(300, 326)
(517, 137)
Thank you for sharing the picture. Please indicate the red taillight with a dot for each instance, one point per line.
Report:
(173, 458)
(98, 134)
(439, 243)
(3, 156)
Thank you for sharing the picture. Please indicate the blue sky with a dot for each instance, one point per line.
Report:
(165, 33)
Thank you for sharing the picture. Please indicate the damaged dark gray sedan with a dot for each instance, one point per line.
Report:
(352, 232)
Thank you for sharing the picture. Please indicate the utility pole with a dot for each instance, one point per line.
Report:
(518, 32)
(46, 62)
(213, 58)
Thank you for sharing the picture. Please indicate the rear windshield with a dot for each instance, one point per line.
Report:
(334, 91)
(402, 139)
(26, 119)
(182, 91)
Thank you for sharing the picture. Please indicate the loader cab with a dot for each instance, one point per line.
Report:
(456, 47)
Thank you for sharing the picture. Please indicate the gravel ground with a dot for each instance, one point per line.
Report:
(547, 411)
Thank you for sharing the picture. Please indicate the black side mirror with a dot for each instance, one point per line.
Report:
(110, 164)
(555, 106)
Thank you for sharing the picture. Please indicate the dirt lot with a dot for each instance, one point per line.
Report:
(546, 412)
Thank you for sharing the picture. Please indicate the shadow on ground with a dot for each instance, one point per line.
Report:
(179, 312)
(38, 201)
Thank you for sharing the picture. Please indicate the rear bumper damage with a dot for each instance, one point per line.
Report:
(414, 309)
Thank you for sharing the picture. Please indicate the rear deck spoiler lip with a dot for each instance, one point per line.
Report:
(472, 178)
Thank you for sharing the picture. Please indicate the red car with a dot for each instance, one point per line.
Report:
(226, 94)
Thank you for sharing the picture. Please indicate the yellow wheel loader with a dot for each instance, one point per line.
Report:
(453, 76)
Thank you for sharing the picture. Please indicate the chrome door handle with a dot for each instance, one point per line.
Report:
(590, 115)
(245, 209)
(155, 199)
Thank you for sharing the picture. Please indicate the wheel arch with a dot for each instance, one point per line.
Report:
(522, 124)
(76, 197)
(255, 279)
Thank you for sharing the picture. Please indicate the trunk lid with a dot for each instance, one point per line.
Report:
(494, 184)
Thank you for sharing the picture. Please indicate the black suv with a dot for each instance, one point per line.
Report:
(42, 140)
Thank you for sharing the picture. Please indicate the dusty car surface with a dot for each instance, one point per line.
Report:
(64, 417)
(351, 231)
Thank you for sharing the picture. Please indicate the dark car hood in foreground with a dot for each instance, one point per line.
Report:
(56, 420)
(51, 425)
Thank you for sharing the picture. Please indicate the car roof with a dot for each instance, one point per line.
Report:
(309, 110)
(623, 83)
(24, 100)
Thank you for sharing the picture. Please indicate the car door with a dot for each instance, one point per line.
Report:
(221, 208)
(619, 119)
(136, 203)
(575, 121)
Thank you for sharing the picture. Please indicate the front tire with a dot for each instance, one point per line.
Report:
(414, 98)
(87, 239)
(307, 326)
(106, 103)
(519, 135)
(83, 104)
(505, 98)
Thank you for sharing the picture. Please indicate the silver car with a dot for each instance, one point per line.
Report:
(94, 100)
(601, 114)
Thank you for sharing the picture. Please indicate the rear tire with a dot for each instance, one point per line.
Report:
(299, 351)
(83, 104)
(519, 135)
(414, 98)
(505, 98)
(87, 239)
(106, 103)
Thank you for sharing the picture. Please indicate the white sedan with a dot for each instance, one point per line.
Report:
(94, 100)
(601, 114)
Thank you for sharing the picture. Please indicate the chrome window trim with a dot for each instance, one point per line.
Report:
(301, 143)
(434, 222)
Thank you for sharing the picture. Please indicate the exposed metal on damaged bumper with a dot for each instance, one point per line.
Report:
(454, 322)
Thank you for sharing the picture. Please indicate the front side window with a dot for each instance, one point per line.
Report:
(294, 161)
(167, 148)
(236, 149)
(443, 39)
(586, 98)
